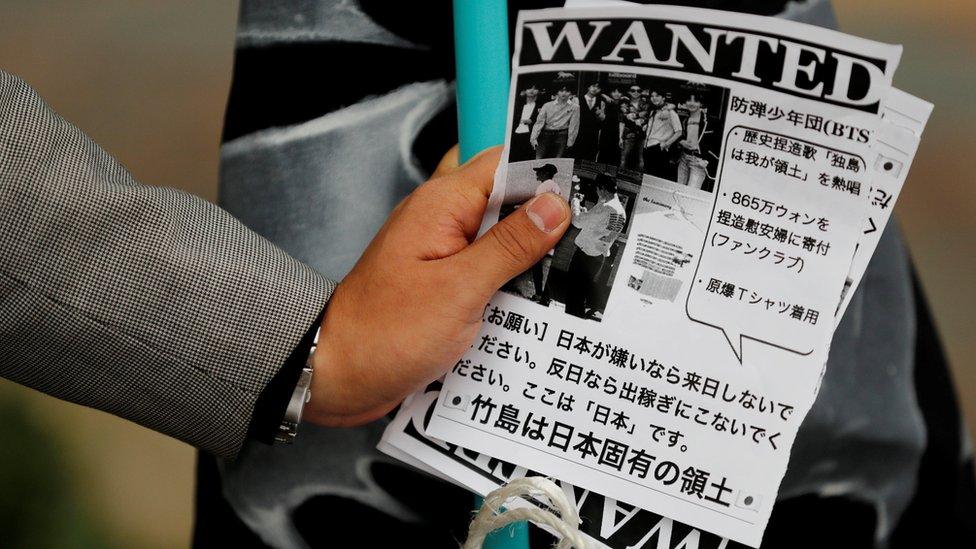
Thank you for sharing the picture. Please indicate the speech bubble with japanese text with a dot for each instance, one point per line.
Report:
(779, 242)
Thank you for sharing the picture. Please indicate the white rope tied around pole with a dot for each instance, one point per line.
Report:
(491, 517)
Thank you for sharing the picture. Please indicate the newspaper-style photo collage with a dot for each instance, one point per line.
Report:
(603, 141)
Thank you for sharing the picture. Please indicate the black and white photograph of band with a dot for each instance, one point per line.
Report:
(579, 272)
(663, 127)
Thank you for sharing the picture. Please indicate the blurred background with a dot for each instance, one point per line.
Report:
(148, 81)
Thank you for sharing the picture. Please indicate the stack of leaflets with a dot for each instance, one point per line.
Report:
(730, 177)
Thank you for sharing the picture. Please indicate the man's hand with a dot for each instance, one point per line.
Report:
(413, 303)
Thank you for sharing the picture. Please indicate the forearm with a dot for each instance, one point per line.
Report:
(589, 220)
(145, 302)
(540, 122)
(573, 126)
(630, 124)
(671, 140)
(676, 130)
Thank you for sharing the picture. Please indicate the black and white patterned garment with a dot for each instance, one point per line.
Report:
(338, 109)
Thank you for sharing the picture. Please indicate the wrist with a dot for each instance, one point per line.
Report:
(339, 394)
(329, 386)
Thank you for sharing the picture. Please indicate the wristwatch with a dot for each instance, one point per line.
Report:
(288, 427)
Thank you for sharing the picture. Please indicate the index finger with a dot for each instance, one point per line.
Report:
(466, 188)
(477, 174)
(449, 162)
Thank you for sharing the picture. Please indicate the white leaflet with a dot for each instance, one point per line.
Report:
(676, 338)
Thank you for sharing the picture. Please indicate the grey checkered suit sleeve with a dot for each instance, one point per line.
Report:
(146, 302)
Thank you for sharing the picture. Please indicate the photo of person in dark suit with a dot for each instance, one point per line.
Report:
(592, 107)
(610, 133)
(526, 111)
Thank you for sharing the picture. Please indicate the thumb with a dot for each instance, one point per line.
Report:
(517, 242)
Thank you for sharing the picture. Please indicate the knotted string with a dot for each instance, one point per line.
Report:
(491, 516)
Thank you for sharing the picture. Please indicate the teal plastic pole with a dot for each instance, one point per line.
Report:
(482, 65)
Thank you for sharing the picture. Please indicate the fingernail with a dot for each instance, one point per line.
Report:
(547, 211)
